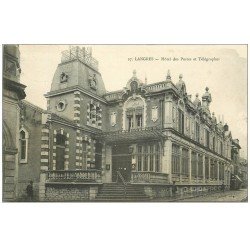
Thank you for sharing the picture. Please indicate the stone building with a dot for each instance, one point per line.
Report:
(29, 159)
(13, 92)
(137, 142)
(148, 135)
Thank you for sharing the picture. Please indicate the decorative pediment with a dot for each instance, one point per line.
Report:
(134, 83)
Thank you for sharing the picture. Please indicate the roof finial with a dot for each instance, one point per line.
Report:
(168, 78)
(197, 95)
(180, 76)
(207, 89)
(146, 80)
(134, 73)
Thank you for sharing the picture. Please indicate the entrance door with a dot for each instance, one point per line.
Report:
(121, 161)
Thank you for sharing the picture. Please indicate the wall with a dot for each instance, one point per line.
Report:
(10, 149)
(30, 170)
(60, 192)
(68, 112)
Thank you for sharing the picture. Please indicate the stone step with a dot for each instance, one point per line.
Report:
(124, 199)
(115, 191)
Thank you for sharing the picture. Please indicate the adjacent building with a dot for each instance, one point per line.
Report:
(13, 92)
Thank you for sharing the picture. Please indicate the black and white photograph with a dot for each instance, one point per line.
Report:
(125, 123)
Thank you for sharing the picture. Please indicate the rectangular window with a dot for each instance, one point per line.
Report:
(185, 162)
(213, 143)
(215, 170)
(223, 171)
(200, 166)
(139, 121)
(84, 155)
(221, 148)
(23, 149)
(181, 122)
(207, 138)
(197, 132)
(130, 122)
(139, 158)
(98, 155)
(157, 158)
(206, 167)
(175, 159)
(194, 164)
(151, 158)
(212, 169)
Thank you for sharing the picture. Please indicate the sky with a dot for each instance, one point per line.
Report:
(226, 76)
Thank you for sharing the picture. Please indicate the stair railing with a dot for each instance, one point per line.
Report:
(119, 175)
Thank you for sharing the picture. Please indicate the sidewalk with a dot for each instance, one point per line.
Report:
(228, 196)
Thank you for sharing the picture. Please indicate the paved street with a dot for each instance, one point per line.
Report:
(228, 196)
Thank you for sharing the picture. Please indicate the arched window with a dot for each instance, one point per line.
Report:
(23, 147)
(134, 110)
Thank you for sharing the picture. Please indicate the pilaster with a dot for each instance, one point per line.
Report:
(190, 165)
(167, 158)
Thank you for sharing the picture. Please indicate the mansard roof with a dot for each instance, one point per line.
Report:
(78, 68)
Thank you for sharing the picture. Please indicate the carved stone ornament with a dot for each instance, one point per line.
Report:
(93, 82)
(63, 77)
(113, 119)
(154, 113)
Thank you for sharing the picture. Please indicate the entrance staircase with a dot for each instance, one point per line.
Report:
(121, 192)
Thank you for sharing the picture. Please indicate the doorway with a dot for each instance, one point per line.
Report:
(121, 161)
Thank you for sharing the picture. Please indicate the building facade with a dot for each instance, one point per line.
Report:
(147, 136)
(150, 134)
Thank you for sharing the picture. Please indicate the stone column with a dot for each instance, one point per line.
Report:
(190, 165)
(197, 165)
(218, 172)
(167, 158)
(181, 164)
(203, 169)
(209, 162)
(168, 107)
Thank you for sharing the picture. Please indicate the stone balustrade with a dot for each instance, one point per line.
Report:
(91, 175)
(113, 96)
(148, 177)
